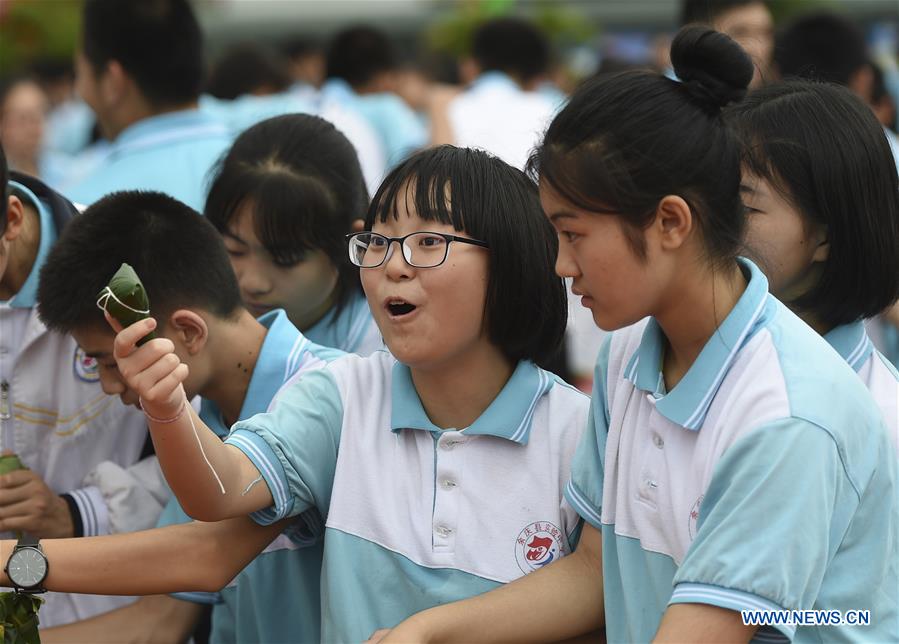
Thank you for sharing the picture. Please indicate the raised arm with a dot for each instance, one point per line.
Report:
(190, 556)
(562, 600)
(210, 479)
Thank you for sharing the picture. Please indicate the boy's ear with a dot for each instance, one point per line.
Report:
(189, 329)
(358, 225)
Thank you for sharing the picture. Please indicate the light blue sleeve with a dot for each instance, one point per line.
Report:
(294, 445)
(584, 489)
(777, 508)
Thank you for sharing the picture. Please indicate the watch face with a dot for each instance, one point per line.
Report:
(27, 567)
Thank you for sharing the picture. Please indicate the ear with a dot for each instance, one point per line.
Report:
(189, 329)
(822, 250)
(358, 225)
(673, 222)
(862, 83)
(15, 218)
(114, 83)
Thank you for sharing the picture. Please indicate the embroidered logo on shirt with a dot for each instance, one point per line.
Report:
(537, 545)
(694, 516)
(85, 367)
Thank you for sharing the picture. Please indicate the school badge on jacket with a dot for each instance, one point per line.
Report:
(85, 367)
(538, 544)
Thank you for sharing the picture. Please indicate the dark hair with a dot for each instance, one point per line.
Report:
(513, 46)
(303, 179)
(526, 309)
(299, 47)
(821, 46)
(359, 54)
(178, 255)
(627, 140)
(4, 190)
(245, 69)
(823, 150)
(707, 11)
(157, 42)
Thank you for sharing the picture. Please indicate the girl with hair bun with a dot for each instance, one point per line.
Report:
(732, 461)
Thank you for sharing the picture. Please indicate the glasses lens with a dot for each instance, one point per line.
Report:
(425, 249)
(368, 249)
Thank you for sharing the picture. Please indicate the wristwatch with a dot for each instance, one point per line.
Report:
(27, 566)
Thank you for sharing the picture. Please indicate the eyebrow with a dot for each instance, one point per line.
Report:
(230, 235)
(562, 215)
(748, 190)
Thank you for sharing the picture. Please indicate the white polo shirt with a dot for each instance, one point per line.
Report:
(764, 480)
(496, 115)
(851, 341)
(417, 516)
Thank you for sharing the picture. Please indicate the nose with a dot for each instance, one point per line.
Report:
(396, 267)
(112, 384)
(566, 266)
(251, 279)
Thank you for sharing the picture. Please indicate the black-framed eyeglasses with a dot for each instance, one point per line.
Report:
(421, 250)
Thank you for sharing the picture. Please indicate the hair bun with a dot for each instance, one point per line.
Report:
(714, 69)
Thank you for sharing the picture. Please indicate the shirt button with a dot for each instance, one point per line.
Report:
(448, 484)
(657, 441)
(443, 531)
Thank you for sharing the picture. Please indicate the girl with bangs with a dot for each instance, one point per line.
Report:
(439, 467)
(283, 198)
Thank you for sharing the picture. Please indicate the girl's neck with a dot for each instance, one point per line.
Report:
(690, 317)
(315, 316)
(455, 395)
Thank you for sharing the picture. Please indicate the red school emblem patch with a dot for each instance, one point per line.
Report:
(538, 544)
(85, 367)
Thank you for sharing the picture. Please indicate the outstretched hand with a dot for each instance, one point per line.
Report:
(153, 370)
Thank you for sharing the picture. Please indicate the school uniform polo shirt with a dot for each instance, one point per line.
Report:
(352, 329)
(763, 480)
(417, 516)
(171, 153)
(851, 341)
(398, 127)
(276, 597)
(496, 115)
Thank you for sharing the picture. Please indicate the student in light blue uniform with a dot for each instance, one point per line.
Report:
(440, 470)
(140, 71)
(283, 198)
(733, 460)
(823, 201)
(237, 364)
(361, 68)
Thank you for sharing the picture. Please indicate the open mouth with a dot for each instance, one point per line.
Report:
(399, 308)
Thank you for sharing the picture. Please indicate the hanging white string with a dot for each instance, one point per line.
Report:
(107, 293)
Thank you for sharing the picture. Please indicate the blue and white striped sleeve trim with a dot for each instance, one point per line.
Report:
(692, 593)
(93, 510)
(266, 461)
(582, 506)
(199, 597)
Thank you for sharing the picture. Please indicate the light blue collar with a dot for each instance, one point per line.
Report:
(26, 298)
(852, 343)
(495, 78)
(338, 90)
(509, 416)
(688, 403)
(156, 130)
(279, 358)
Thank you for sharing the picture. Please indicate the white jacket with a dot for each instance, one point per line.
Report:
(81, 442)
